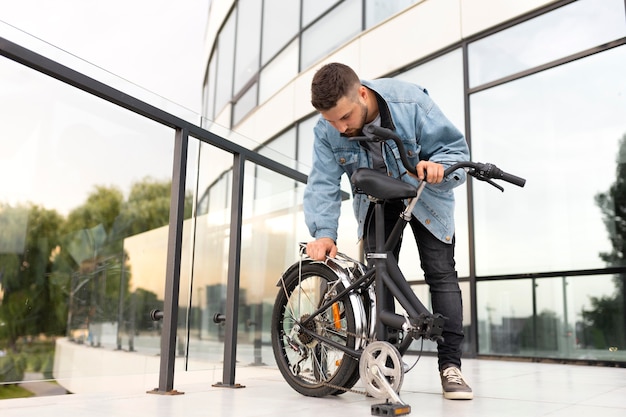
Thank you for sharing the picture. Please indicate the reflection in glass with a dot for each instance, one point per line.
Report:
(578, 317)
(272, 222)
(549, 128)
(85, 179)
(567, 30)
(209, 271)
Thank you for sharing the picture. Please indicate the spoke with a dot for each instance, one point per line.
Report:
(294, 302)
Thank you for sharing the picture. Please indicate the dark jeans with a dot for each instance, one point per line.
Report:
(437, 262)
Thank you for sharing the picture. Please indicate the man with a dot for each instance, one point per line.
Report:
(347, 104)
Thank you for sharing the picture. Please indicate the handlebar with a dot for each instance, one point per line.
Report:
(480, 171)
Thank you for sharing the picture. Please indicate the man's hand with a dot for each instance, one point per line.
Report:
(318, 249)
(433, 171)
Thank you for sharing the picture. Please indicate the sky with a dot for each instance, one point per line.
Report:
(156, 44)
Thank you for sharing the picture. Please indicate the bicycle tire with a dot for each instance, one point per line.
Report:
(310, 366)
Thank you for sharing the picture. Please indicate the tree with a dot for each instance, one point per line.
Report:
(25, 265)
(607, 316)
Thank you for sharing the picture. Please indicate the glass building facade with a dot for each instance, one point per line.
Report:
(86, 196)
(538, 90)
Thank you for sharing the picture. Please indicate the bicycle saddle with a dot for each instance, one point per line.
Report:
(381, 186)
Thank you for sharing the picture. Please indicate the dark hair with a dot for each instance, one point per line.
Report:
(332, 82)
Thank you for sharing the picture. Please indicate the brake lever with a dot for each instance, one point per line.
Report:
(498, 186)
(476, 174)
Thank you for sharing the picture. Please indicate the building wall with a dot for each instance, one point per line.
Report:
(529, 82)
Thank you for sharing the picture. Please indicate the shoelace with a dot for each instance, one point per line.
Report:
(453, 375)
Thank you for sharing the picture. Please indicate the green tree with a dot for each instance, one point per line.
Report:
(29, 235)
(148, 207)
(607, 317)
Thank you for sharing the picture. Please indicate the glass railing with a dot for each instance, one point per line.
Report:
(90, 162)
(578, 317)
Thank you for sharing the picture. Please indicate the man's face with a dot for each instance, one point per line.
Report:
(348, 116)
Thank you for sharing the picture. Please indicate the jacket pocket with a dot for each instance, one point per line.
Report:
(348, 161)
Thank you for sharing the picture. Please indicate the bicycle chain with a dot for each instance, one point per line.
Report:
(328, 384)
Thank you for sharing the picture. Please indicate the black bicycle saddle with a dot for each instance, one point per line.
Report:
(381, 186)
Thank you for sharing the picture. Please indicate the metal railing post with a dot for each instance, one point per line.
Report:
(232, 289)
(172, 273)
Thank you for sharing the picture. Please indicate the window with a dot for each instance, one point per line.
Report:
(570, 29)
(550, 128)
(275, 75)
(378, 10)
(245, 103)
(281, 22)
(225, 57)
(318, 40)
(312, 9)
(248, 47)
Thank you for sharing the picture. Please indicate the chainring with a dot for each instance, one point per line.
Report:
(388, 360)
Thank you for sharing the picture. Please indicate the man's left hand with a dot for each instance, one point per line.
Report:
(431, 171)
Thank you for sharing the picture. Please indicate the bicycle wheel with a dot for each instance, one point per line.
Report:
(311, 366)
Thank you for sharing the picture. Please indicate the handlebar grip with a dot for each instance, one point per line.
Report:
(382, 132)
(498, 174)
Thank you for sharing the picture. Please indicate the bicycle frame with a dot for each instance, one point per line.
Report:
(386, 274)
(388, 278)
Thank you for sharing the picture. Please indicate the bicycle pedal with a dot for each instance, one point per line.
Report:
(390, 409)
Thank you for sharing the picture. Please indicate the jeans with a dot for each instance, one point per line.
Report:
(437, 262)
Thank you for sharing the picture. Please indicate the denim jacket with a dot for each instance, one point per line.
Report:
(427, 135)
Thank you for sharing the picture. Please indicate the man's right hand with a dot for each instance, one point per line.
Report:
(318, 249)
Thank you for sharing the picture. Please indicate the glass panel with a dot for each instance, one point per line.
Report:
(282, 148)
(443, 79)
(225, 58)
(210, 260)
(312, 9)
(87, 181)
(245, 104)
(378, 10)
(595, 317)
(545, 129)
(278, 72)
(319, 40)
(209, 89)
(504, 312)
(563, 317)
(569, 29)
(248, 48)
(281, 22)
(305, 143)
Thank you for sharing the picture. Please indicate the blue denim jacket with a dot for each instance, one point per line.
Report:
(427, 135)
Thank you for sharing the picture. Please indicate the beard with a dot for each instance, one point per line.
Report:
(358, 131)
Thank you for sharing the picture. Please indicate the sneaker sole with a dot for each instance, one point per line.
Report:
(459, 395)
